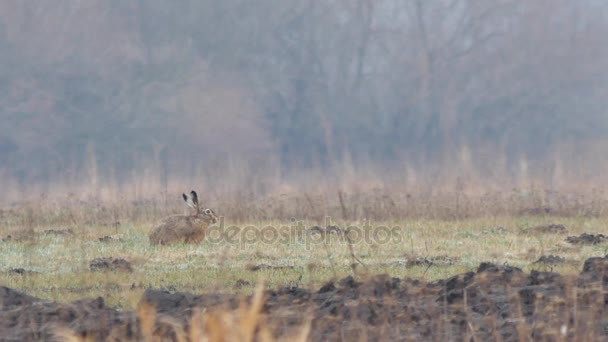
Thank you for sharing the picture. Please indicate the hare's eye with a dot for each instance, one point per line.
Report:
(207, 211)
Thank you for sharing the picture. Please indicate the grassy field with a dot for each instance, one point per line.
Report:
(417, 248)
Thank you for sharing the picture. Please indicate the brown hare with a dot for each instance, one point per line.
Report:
(184, 228)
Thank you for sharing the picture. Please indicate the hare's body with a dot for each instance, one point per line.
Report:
(184, 228)
(187, 229)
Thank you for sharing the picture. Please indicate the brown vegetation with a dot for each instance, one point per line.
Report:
(489, 301)
(376, 203)
(495, 302)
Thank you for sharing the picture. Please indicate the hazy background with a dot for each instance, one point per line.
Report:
(135, 98)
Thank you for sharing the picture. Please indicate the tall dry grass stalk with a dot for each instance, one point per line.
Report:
(246, 324)
(471, 173)
(356, 204)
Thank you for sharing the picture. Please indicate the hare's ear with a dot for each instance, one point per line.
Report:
(194, 197)
(188, 201)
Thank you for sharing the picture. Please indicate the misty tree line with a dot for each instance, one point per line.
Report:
(125, 85)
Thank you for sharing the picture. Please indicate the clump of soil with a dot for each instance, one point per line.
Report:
(550, 260)
(108, 238)
(327, 230)
(587, 239)
(110, 264)
(10, 298)
(439, 260)
(596, 269)
(551, 228)
(67, 231)
(490, 303)
(258, 267)
(26, 318)
(240, 283)
(21, 271)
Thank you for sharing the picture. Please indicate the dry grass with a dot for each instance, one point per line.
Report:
(245, 324)
(437, 239)
(426, 248)
(378, 203)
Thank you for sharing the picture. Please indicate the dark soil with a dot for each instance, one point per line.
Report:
(21, 271)
(30, 319)
(328, 230)
(110, 264)
(240, 283)
(258, 267)
(550, 260)
(10, 299)
(551, 228)
(67, 231)
(587, 239)
(495, 302)
(412, 261)
(108, 239)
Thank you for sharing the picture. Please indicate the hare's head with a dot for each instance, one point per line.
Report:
(204, 213)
